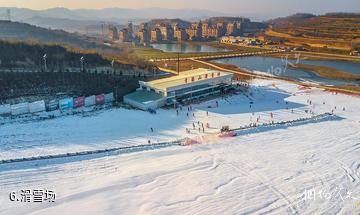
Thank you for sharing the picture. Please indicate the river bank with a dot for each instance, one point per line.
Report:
(326, 72)
(345, 89)
(314, 56)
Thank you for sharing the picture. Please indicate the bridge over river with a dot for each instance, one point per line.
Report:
(217, 56)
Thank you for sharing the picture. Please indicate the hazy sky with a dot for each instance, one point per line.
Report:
(275, 7)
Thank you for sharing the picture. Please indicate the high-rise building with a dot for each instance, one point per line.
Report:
(175, 26)
(145, 26)
(124, 35)
(205, 27)
(199, 29)
(167, 33)
(233, 29)
(213, 32)
(221, 28)
(113, 33)
(195, 30)
(215, 28)
(180, 35)
(192, 33)
(229, 29)
(155, 35)
(130, 28)
(143, 36)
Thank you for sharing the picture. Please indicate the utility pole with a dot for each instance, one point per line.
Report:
(114, 80)
(82, 63)
(44, 58)
(112, 66)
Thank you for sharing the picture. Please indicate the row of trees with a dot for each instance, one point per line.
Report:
(49, 85)
(20, 54)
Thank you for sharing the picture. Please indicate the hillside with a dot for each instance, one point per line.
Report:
(15, 31)
(227, 19)
(22, 73)
(181, 23)
(30, 55)
(22, 31)
(335, 30)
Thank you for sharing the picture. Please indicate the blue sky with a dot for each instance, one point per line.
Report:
(274, 7)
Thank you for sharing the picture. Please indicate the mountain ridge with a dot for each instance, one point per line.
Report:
(108, 14)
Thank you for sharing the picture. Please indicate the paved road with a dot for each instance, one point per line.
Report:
(218, 56)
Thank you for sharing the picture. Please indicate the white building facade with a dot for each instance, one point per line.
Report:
(186, 87)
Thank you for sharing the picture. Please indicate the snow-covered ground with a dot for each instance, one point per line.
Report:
(260, 172)
(122, 127)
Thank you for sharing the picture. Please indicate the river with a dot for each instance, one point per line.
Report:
(279, 67)
(186, 48)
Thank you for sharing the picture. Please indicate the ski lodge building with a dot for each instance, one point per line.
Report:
(186, 86)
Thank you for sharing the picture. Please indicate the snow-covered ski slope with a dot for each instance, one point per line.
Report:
(259, 172)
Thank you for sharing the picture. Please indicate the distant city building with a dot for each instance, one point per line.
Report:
(220, 25)
(213, 32)
(144, 26)
(124, 35)
(210, 29)
(195, 31)
(167, 33)
(113, 33)
(143, 36)
(205, 27)
(230, 29)
(130, 29)
(192, 33)
(155, 35)
(180, 35)
(175, 27)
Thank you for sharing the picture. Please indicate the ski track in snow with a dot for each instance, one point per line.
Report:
(262, 171)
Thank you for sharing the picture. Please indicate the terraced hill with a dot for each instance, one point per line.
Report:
(336, 30)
